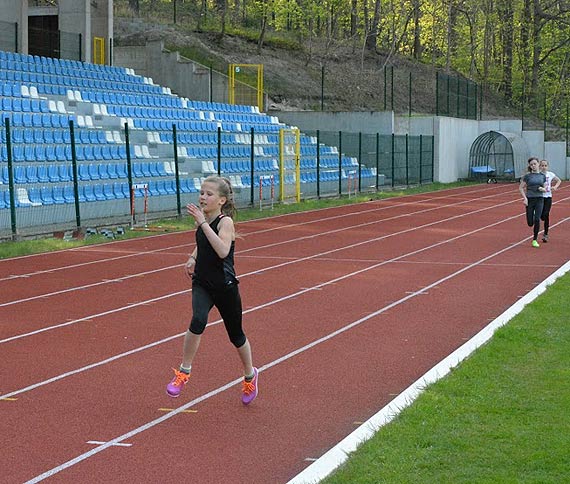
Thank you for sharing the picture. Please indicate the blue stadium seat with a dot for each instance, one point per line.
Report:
(93, 170)
(53, 173)
(32, 174)
(66, 173)
(108, 191)
(103, 171)
(112, 171)
(35, 196)
(4, 175)
(57, 194)
(89, 193)
(98, 191)
(68, 194)
(42, 172)
(83, 172)
(121, 190)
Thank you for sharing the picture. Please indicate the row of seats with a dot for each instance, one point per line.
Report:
(39, 67)
(69, 63)
(66, 81)
(85, 172)
(52, 136)
(61, 194)
(61, 152)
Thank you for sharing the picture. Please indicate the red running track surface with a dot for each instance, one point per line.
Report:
(344, 307)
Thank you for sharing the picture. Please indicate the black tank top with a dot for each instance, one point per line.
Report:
(211, 271)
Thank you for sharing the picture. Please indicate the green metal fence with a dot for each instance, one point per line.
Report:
(50, 192)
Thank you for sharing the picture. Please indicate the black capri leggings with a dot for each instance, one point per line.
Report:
(228, 302)
(533, 213)
(546, 213)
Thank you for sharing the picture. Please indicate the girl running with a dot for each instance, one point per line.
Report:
(550, 179)
(532, 188)
(214, 283)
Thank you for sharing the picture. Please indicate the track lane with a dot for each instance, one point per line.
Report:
(219, 341)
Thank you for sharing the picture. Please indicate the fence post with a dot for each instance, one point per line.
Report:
(322, 88)
(407, 163)
(377, 158)
(340, 163)
(74, 168)
(130, 175)
(392, 89)
(385, 87)
(421, 164)
(437, 93)
(251, 160)
(219, 151)
(410, 96)
(11, 179)
(359, 161)
(318, 164)
(176, 172)
(566, 128)
(393, 161)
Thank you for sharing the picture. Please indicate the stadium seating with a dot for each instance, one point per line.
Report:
(44, 97)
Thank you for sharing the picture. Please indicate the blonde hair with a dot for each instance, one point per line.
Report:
(224, 187)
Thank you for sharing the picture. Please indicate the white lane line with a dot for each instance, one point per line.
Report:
(283, 227)
(260, 271)
(100, 442)
(265, 367)
(264, 305)
(238, 253)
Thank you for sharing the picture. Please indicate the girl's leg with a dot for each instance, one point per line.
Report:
(189, 349)
(545, 216)
(538, 205)
(201, 305)
(244, 352)
(529, 213)
(229, 305)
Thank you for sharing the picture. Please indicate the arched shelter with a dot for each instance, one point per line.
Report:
(498, 155)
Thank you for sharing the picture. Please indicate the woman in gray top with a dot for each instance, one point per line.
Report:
(532, 189)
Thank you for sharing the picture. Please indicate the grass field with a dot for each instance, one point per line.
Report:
(502, 416)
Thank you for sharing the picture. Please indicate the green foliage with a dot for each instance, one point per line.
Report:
(472, 35)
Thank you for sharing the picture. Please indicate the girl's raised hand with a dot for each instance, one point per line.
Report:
(195, 212)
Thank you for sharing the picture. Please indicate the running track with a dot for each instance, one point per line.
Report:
(344, 307)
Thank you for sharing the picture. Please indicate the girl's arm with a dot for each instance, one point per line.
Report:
(189, 267)
(222, 242)
(557, 182)
(522, 189)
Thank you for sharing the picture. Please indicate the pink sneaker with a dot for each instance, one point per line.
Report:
(177, 383)
(250, 389)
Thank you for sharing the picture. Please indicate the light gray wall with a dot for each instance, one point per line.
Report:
(86, 17)
(555, 153)
(183, 76)
(452, 141)
(350, 122)
(16, 11)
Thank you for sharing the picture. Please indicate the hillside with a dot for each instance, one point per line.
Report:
(354, 80)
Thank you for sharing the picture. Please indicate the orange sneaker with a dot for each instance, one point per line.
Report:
(177, 383)
(249, 389)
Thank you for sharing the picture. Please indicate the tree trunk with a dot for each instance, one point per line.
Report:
(372, 37)
(506, 14)
(417, 43)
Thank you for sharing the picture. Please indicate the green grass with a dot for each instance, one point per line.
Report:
(502, 416)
